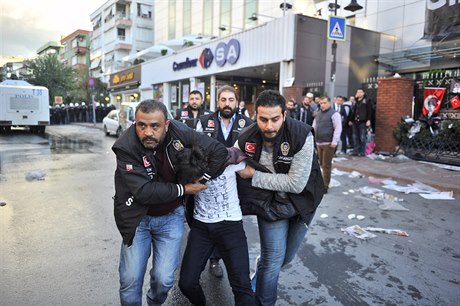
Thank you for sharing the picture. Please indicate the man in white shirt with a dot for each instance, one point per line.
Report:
(217, 223)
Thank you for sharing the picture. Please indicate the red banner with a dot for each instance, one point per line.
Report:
(432, 98)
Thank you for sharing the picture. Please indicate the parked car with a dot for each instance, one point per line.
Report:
(111, 123)
(118, 121)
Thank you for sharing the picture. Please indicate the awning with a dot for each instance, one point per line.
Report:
(445, 52)
(95, 64)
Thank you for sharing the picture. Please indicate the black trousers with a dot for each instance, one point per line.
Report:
(229, 238)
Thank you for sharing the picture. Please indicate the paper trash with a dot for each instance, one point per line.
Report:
(358, 232)
(38, 175)
(391, 205)
(386, 231)
(449, 195)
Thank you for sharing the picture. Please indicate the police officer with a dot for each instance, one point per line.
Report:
(190, 115)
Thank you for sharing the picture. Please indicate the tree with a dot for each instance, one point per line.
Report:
(48, 71)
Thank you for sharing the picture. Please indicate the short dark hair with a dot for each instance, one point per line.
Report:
(226, 88)
(271, 98)
(150, 106)
(196, 92)
(326, 98)
(191, 164)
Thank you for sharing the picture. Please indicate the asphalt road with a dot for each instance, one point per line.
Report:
(60, 246)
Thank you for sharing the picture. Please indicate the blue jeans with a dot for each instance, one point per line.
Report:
(158, 234)
(359, 137)
(279, 242)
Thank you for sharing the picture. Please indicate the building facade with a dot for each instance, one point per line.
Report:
(120, 28)
(75, 51)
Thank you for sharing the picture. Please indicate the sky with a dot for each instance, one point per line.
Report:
(26, 25)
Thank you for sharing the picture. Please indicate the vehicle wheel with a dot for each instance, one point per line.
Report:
(119, 131)
(41, 129)
(107, 133)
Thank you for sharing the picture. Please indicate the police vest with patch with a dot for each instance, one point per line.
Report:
(289, 142)
(211, 127)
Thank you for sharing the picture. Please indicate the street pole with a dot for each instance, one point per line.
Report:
(333, 62)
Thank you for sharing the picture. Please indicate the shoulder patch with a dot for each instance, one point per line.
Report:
(241, 123)
(211, 123)
(250, 147)
(177, 145)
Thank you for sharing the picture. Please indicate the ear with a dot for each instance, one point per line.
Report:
(167, 125)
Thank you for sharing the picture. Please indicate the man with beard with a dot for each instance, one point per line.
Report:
(286, 147)
(224, 125)
(190, 115)
(148, 201)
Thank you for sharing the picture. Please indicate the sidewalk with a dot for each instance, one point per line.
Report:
(403, 171)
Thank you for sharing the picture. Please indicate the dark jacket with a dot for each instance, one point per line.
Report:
(362, 110)
(291, 139)
(305, 115)
(136, 184)
(185, 115)
(211, 126)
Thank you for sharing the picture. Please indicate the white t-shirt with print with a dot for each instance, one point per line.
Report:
(220, 200)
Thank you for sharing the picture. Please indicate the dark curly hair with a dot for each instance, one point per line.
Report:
(191, 164)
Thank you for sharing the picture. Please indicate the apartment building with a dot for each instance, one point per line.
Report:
(75, 51)
(120, 28)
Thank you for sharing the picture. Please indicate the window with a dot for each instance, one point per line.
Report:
(187, 17)
(226, 13)
(144, 11)
(207, 17)
(121, 34)
(250, 7)
(172, 19)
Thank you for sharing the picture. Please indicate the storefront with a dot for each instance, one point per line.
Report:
(124, 86)
(290, 54)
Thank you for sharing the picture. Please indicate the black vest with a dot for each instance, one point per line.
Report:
(324, 128)
(186, 116)
(211, 127)
(289, 142)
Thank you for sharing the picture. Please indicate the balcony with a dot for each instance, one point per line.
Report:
(123, 44)
(122, 21)
(80, 50)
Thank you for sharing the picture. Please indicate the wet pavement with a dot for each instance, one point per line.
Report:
(60, 244)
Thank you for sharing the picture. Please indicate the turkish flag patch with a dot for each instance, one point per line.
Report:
(211, 123)
(129, 167)
(146, 161)
(455, 102)
(250, 147)
(184, 114)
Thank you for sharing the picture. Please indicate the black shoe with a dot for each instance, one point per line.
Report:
(215, 268)
(354, 154)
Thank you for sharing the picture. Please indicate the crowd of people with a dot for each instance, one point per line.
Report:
(213, 168)
(77, 112)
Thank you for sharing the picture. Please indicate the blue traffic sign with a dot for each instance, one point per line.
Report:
(336, 27)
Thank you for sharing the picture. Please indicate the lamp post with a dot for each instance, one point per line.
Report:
(353, 6)
(225, 28)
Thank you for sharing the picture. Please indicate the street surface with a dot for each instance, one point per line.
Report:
(60, 245)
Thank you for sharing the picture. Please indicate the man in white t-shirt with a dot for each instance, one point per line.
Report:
(217, 223)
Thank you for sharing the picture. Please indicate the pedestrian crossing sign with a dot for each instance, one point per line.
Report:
(336, 27)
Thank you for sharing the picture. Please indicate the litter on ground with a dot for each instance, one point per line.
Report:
(397, 232)
(391, 205)
(38, 175)
(358, 232)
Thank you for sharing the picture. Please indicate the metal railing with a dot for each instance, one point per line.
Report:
(433, 149)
